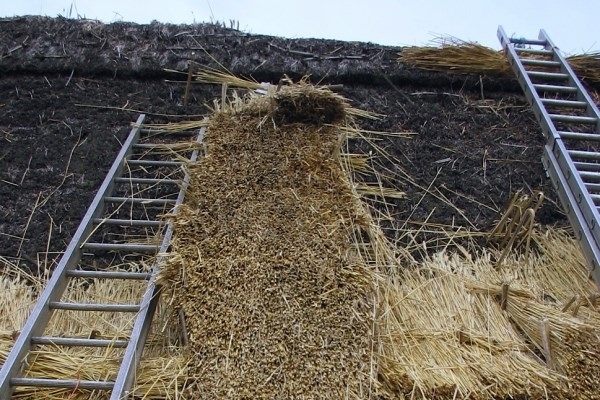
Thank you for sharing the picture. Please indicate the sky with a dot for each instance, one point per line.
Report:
(574, 26)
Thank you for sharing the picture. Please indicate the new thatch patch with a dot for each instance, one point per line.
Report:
(275, 299)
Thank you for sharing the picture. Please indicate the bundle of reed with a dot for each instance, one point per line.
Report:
(462, 57)
(565, 343)
(587, 66)
(222, 76)
(160, 375)
(438, 340)
(561, 270)
(515, 228)
(555, 274)
(457, 56)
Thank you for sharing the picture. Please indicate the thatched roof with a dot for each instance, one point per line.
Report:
(50, 67)
(470, 141)
(60, 45)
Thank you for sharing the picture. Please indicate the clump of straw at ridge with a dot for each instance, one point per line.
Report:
(462, 57)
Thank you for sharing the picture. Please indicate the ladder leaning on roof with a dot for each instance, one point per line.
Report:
(570, 121)
(87, 241)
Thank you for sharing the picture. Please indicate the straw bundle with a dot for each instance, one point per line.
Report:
(566, 343)
(274, 296)
(515, 228)
(457, 56)
(587, 66)
(159, 376)
(444, 332)
(461, 57)
(561, 270)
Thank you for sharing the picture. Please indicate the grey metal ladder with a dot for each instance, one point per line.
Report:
(92, 237)
(570, 121)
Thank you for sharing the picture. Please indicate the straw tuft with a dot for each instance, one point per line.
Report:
(457, 56)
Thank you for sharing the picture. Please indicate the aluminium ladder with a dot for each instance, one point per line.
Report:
(115, 206)
(570, 121)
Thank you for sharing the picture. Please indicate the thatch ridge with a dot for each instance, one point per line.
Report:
(128, 50)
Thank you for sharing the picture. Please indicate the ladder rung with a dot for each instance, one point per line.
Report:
(594, 176)
(555, 88)
(584, 166)
(155, 131)
(164, 148)
(62, 383)
(76, 342)
(564, 103)
(146, 146)
(152, 163)
(539, 63)
(137, 200)
(79, 273)
(133, 247)
(575, 119)
(594, 137)
(127, 222)
(593, 187)
(534, 51)
(587, 155)
(547, 75)
(533, 42)
(61, 305)
(595, 198)
(148, 181)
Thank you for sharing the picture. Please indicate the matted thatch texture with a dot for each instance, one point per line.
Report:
(274, 297)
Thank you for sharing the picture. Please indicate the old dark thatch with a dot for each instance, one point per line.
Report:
(53, 69)
(46, 45)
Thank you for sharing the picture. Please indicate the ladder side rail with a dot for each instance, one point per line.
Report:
(141, 327)
(582, 232)
(583, 200)
(38, 319)
(582, 94)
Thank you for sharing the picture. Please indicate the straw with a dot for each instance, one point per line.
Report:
(273, 294)
(457, 56)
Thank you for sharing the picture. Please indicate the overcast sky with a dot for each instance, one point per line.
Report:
(573, 25)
